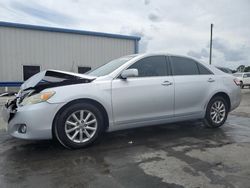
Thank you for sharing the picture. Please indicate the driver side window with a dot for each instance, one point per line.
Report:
(151, 66)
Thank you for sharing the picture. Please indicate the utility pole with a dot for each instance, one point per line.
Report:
(211, 41)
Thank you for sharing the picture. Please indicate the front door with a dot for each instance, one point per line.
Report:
(148, 97)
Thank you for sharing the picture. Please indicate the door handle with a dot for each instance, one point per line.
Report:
(167, 83)
(210, 80)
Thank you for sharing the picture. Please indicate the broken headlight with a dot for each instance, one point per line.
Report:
(37, 98)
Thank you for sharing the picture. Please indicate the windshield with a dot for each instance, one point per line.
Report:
(110, 66)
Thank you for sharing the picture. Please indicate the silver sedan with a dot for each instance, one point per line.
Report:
(132, 91)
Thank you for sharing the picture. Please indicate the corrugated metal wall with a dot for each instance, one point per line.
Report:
(55, 50)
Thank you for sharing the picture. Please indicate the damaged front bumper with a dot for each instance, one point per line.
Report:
(37, 119)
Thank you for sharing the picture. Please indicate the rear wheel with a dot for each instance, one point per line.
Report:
(216, 113)
(79, 125)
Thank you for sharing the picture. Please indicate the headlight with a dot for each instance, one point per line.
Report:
(37, 98)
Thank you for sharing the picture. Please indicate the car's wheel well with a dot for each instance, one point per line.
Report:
(89, 101)
(225, 96)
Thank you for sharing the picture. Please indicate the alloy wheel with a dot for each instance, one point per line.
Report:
(218, 112)
(81, 126)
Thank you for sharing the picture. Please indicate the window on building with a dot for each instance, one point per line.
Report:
(151, 66)
(184, 66)
(30, 70)
(83, 70)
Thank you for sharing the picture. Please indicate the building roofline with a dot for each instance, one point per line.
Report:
(64, 30)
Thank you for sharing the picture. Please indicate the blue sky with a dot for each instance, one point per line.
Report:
(179, 27)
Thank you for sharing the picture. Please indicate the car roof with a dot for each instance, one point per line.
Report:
(166, 54)
(163, 53)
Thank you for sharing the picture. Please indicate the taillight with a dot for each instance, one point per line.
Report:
(237, 81)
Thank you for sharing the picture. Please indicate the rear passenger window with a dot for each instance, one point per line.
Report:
(184, 66)
(203, 69)
(151, 66)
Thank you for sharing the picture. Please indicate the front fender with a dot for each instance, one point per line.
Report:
(99, 92)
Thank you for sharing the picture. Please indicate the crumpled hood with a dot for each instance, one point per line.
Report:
(54, 78)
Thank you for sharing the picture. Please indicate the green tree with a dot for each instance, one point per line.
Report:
(247, 69)
(240, 68)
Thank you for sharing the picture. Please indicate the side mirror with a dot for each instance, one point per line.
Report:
(245, 76)
(129, 73)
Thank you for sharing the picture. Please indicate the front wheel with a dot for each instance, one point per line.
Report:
(216, 113)
(79, 125)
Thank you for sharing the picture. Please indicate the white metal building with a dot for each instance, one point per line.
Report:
(27, 49)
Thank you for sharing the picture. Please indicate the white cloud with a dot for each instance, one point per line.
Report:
(179, 26)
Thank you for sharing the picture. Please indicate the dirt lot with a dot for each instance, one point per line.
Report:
(176, 155)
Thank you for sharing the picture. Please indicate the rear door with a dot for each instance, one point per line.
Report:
(193, 83)
(148, 97)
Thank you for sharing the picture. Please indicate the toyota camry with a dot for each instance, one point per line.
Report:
(128, 92)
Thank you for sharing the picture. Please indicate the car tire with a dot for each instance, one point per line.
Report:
(216, 112)
(73, 122)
